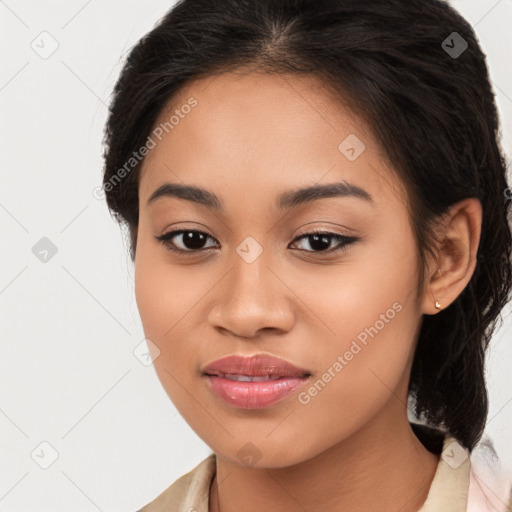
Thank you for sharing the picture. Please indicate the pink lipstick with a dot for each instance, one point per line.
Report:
(254, 382)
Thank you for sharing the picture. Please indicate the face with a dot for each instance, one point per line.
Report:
(249, 276)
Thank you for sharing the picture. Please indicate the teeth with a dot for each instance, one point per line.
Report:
(247, 378)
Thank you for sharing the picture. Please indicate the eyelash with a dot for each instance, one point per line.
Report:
(343, 241)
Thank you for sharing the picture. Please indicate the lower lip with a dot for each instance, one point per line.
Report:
(254, 395)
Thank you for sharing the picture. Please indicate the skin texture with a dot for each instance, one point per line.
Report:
(250, 138)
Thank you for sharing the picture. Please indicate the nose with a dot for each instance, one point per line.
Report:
(252, 297)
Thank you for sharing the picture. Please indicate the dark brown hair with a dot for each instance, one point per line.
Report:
(413, 69)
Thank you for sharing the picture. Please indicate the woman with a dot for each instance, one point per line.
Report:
(316, 201)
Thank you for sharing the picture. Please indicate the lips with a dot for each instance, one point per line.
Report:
(257, 368)
(254, 382)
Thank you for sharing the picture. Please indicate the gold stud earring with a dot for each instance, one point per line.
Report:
(438, 305)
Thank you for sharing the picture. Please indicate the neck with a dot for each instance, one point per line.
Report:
(383, 466)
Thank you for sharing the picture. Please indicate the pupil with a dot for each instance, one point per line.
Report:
(193, 240)
(324, 242)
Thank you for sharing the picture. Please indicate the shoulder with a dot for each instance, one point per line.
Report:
(465, 481)
(189, 493)
(490, 485)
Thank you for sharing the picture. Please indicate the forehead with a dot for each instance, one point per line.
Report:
(268, 131)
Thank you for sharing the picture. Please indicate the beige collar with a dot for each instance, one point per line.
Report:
(449, 487)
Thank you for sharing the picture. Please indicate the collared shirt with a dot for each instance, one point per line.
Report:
(461, 482)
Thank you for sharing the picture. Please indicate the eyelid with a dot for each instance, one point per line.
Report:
(306, 230)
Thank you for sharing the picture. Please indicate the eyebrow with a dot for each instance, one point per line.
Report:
(286, 200)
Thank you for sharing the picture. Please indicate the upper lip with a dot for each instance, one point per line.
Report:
(254, 366)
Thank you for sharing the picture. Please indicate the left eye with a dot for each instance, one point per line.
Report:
(319, 242)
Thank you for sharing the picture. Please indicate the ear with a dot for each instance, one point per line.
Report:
(459, 236)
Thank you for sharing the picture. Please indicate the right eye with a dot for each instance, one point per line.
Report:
(190, 240)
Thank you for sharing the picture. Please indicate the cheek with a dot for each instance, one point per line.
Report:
(163, 301)
(163, 310)
(164, 293)
(369, 322)
(370, 293)
(362, 373)
(167, 298)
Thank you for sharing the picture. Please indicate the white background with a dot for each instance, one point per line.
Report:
(69, 326)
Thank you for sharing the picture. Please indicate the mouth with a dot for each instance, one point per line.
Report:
(254, 382)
